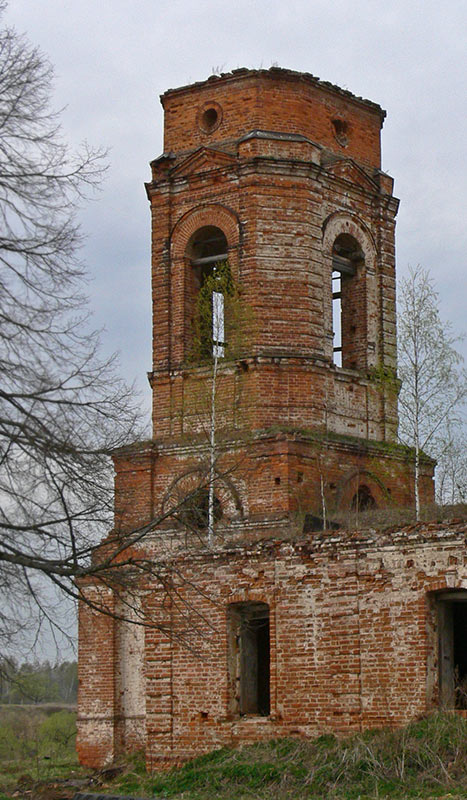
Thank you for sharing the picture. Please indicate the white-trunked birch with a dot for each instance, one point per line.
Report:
(222, 325)
(434, 382)
(218, 351)
(451, 468)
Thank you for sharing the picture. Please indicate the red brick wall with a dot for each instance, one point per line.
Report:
(260, 477)
(280, 202)
(272, 100)
(96, 679)
(353, 639)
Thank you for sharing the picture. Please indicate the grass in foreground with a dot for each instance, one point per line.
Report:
(427, 759)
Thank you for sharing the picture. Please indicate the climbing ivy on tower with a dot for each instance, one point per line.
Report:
(213, 314)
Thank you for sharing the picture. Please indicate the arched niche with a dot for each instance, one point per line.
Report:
(187, 498)
(361, 490)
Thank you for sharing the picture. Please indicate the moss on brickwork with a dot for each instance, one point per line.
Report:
(321, 437)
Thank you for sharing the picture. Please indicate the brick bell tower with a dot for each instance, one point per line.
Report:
(278, 175)
(273, 290)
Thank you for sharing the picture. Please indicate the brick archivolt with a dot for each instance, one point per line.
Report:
(250, 595)
(197, 477)
(351, 482)
(184, 290)
(450, 583)
(343, 222)
(213, 214)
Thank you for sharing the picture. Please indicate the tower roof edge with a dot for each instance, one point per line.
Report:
(275, 73)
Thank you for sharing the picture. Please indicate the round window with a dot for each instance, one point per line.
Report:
(210, 117)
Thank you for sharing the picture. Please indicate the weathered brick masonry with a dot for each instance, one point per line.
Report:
(354, 643)
(290, 632)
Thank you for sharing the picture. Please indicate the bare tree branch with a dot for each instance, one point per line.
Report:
(63, 407)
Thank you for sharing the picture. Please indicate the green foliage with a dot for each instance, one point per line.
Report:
(385, 379)
(219, 279)
(237, 321)
(426, 759)
(38, 682)
(36, 743)
(57, 732)
(32, 732)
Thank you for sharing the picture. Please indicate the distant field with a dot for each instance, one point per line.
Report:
(37, 708)
(37, 742)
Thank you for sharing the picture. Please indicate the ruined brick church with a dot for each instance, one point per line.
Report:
(274, 627)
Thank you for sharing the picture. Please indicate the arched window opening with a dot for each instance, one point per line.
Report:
(452, 655)
(206, 246)
(249, 658)
(363, 500)
(347, 256)
(194, 512)
(209, 282)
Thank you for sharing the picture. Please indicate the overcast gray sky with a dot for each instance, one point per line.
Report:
(114, 57)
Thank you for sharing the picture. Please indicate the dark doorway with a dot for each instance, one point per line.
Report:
(452, 639)
(250, 657)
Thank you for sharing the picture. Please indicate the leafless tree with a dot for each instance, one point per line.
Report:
(62, 406)
(434, 384)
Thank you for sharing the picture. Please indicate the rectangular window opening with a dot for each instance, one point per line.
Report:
(249, 658)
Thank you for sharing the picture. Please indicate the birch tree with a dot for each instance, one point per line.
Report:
(222, 326)
(451, 469)
(214, 301)
(434, 385)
